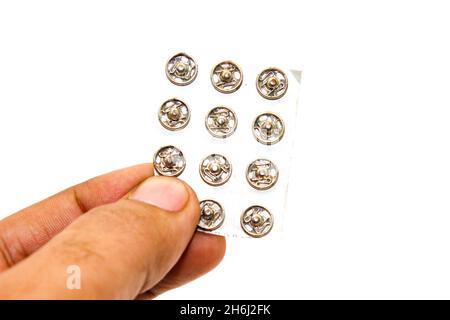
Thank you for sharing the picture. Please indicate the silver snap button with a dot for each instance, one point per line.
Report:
(169, 161)
(262, 174)
(215, 170)
(226, 77)
(268, 128)
(212, 215)
(174, 114)
(257, 221)
(221, 122)
(272, 83)
(181, 69)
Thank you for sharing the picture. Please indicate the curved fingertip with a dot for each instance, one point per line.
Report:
(204, 253)
(210, 250)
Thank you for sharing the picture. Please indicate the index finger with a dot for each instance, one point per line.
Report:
(27, 230)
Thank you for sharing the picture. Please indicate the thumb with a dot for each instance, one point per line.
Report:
(117, 250)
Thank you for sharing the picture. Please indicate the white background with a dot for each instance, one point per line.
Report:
(369, 210)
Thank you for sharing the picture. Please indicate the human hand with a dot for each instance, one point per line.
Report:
(132, 235)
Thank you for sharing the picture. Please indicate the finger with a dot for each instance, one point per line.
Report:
(203, 254)
(122, 249)
(24, 232)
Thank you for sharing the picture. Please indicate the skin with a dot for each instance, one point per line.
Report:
(133, 236)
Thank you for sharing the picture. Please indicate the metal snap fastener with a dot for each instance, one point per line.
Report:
(262, 174)
(169, 161)
(226, 77)
(174, 114)
(181, 69)
(272, 83)
(215, 170)
(257, 221)
(212, 215)
(221, 122)
(268, 128)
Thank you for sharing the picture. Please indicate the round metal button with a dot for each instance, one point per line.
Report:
(257, 221)
(268, 128)
(215, 170)
(272, 83)
(181, 69)
(212, 215)
(174, 114)
(262, 174)
(226, 77)
(221, 122)
(169, 161)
